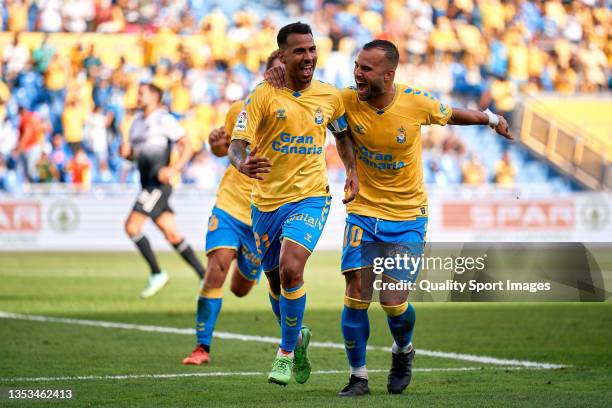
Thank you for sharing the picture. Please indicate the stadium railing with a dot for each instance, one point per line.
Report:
(571, 149)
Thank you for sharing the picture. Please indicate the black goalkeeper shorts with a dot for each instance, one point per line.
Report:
(153, 201)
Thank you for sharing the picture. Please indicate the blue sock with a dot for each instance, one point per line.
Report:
(209, 306)
(401, 319)
(274, 301)
(355, 330)
(292, 304)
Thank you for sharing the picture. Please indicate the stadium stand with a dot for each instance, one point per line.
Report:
(70, 72)
(556, 130)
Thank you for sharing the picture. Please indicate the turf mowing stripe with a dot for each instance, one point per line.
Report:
(214, 374)
(274, 340)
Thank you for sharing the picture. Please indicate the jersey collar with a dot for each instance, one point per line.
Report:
(154, 112)
(389, 106)
(297, 94)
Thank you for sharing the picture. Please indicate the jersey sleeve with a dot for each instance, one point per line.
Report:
(338, 122)
(172, 128)
(232, 115)
(436, 113)
(249, 118)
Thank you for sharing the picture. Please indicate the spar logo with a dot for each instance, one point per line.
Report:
(20, 216)
(526, 215)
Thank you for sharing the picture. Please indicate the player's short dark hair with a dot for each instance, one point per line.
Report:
(391, 52)
(273, 57)
(155, 89)
(293, 28)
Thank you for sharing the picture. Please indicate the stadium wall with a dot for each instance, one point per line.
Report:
(93, 221)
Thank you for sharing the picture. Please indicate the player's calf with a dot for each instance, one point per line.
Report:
(356, 331)
(401, 319)
(240, 286)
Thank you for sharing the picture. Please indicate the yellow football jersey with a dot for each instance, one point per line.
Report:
(289, 128)
(234, 193)
(388, 152)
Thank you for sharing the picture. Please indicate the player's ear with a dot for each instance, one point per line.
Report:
(389, 75)
(281, 56)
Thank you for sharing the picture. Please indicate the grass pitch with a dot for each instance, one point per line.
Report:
(105, 287)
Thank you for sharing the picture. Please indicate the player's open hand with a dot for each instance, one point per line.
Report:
(503, 129)
(276, 76)
(255, 165)
(219, 141)
(166, 174)
(351, 186)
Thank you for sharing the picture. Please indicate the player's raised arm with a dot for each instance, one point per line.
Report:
(465, 117)
(346, 151)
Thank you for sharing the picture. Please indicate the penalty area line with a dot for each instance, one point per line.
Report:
(273, 340)
(231, 374)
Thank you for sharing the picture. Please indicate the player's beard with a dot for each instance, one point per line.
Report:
(142, 103)
(375, 88)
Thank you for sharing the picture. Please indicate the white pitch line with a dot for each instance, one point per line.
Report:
(213, 374)
(274, 340)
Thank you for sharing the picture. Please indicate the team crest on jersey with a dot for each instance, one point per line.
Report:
(213, 223)
(241, 122)
(319, 116)
(401, 137)
(280, 114)
(359, 129)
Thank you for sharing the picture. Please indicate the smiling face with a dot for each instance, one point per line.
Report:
(300, 58)
(371, 72)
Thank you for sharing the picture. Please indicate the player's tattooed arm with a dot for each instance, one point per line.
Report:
(276, 76)
(219, 142)
(248, 162)
(346, 151)
(473, 117)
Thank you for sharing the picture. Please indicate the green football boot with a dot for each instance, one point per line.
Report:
(301, 363)
(281, 371)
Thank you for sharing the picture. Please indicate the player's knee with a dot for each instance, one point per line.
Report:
(215, 275)
(291, 272)
(353, 286)
(392, 298)
(131, 229)
(173, 236)
(290, 277)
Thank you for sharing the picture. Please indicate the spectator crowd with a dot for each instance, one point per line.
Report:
(69, 71)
